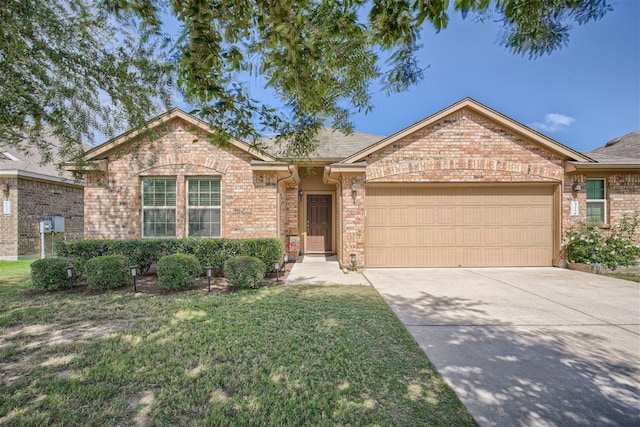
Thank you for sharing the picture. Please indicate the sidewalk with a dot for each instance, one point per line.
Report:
(322, 270)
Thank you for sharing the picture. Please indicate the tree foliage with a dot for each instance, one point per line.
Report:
(321, 56)
(318, 57)
(69, 72)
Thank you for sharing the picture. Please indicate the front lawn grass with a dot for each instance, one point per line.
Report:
(633, 277)
(293, 356)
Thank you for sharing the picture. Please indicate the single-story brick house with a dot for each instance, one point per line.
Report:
(32, 192)
(466, 186)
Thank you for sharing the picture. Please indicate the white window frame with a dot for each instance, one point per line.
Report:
(165, 207)
(190, 208)
(603, 201)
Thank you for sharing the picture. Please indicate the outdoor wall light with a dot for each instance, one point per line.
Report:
(209, 270)
(69, 271)
(300, 192)
(577, 186)
(133, 270)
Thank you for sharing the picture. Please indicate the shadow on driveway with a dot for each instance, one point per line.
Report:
(518, 356)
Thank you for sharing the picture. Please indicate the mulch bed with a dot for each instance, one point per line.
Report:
(147, 284)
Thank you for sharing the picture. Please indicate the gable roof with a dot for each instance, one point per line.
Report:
(482, 110)
(18, 163)
(97, 152)
(627, 146)
(618, 154)
(333, 144)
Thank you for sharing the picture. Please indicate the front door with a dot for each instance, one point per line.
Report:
(318, 223)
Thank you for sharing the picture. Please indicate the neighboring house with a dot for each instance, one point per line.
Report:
(466, 186)
(32, 192)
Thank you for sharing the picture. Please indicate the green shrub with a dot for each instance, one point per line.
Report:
(107, 272)
(244, 272)
(588, 244)
(178, 271)
(50, 274)
(265, 250)
(146, 252)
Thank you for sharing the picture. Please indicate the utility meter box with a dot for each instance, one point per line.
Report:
(57, 224)
(45, 226)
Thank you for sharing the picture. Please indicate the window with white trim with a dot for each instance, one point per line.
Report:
(596, 200)
(159, 207)
(203, 207)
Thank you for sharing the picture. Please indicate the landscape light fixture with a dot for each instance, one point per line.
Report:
(209, 270)
(69, 271)
(276, 267)
(353, 262)
(134, 274)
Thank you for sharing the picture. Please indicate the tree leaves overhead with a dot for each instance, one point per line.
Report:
(318, 57)
(69, 71)
(538, 27)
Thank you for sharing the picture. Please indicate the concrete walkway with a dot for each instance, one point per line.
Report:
(322, 270)
(526, 346)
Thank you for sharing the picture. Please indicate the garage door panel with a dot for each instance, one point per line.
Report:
(401, 237)
(437, 257)
(492, 215)
(377, 216)
(493, 236)
(400, 216)
(459, 226)
(471, 215)
(472, 236)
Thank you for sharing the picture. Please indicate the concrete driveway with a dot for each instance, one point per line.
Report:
(526, 346)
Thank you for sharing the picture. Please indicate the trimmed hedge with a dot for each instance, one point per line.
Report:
(107, 272)
(178, 272)
(146, 252)
(50, 274)
(244, 272)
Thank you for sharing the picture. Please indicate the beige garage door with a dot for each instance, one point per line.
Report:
(459, 226)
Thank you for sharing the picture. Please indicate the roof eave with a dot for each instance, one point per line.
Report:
(40, 177)
(163, 118)
(334, 170)
(601, 167)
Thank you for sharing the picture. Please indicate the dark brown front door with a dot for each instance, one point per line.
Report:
(318, 223)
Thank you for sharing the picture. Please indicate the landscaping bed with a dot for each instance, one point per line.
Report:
(147, 283)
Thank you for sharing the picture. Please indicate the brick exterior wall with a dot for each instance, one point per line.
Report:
(353, 219)
(622, 192)
(465, 147)
(35, 200)
(113, 205)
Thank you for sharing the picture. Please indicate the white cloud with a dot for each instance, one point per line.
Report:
(553, 122)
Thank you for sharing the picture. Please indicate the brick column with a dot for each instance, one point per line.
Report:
(353, 218)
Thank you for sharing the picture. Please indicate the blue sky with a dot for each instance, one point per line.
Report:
(581, 95)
